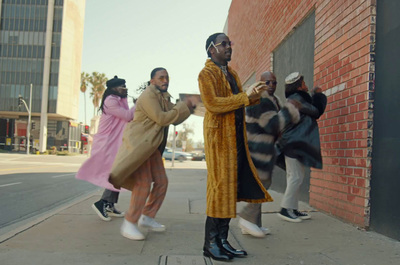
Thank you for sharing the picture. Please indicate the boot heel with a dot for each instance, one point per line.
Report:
(218, 255)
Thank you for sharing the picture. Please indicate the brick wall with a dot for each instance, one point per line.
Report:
(343, 68)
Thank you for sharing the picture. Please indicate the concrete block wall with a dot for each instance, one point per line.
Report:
(343, 67)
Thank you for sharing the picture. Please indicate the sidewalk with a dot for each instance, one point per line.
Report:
(75, 235)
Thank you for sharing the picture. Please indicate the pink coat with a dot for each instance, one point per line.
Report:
(106, 142)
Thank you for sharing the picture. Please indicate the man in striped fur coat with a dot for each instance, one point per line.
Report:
(264, 123)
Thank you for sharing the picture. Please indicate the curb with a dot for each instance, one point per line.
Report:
(33, 221)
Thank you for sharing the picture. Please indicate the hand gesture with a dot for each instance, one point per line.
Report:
(190, 105)
(316, 89)
(254, 91)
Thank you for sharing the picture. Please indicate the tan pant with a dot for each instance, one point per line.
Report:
(146, 200)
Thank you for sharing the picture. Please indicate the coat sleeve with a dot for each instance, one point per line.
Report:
(306, 108)
(319, 100)
(177, 114)
(273, 122)
(112, 107)
(181, 118)
(215, 104)
(288, 115)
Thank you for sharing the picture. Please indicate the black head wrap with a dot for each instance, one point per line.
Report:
(115, 82)
(210, 39)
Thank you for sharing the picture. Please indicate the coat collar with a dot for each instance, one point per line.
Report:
(156, 91)
(211, 65)
(304, 95)
(275, 99)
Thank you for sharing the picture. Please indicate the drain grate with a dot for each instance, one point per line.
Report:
(184, 260)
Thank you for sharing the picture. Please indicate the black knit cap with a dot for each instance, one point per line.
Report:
(115, 82)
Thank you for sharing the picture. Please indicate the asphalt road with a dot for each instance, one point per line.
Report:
(33, 185)
(25, 195)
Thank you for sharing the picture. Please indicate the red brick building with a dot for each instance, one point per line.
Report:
(333, 44)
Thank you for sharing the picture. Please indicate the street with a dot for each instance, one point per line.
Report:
(32, 185)
(73, 234)
(29, 194)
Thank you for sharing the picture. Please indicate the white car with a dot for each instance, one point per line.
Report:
(179, 155)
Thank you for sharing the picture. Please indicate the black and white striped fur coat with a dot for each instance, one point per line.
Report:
(264, 124)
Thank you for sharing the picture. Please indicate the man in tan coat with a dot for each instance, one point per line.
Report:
(232, 176)
(138, 164)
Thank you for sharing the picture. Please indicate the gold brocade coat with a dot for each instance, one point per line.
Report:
(220, 145)
(145, 134)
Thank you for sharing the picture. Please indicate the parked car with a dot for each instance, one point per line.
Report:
(198, 156)
(179, 155)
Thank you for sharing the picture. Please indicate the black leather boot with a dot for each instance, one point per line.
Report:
(235, 252)
(223, 228)
(212, 247)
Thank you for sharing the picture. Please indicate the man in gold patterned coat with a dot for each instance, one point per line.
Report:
(232, 176)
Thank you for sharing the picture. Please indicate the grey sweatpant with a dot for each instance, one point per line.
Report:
(252, 211)
(110, 196)
(295, 172)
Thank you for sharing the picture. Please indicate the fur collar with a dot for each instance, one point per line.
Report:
(302, 94)
(210, 64)
(265, 94)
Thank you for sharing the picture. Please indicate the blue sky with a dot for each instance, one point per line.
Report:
(129, 38)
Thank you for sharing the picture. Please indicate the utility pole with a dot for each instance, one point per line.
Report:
(28, 130)
(173, 147)
(46, 77)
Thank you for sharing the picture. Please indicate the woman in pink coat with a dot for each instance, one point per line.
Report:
(115, 115)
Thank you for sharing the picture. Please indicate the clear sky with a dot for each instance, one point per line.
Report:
(129, 38)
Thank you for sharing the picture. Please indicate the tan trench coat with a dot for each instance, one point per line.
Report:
(145, 133)
(220, 145)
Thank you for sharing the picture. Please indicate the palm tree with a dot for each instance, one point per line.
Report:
(98, 82)
(84, 85)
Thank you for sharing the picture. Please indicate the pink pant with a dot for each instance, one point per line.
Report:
(146, 200)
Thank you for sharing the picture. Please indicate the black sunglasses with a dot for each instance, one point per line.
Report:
(269, 81)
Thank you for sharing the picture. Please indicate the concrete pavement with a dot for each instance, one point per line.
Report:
(75, 235)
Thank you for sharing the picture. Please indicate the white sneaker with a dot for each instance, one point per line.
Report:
(148, 222)
(251, 228)
(131, 231)
(265, 230)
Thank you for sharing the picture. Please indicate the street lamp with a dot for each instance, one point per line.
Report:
(173, 147)
(28, 131)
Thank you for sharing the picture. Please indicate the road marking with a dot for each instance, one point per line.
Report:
(10, 184)
(22, 168)
(59, 176)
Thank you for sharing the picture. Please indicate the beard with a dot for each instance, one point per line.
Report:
(162, 89)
